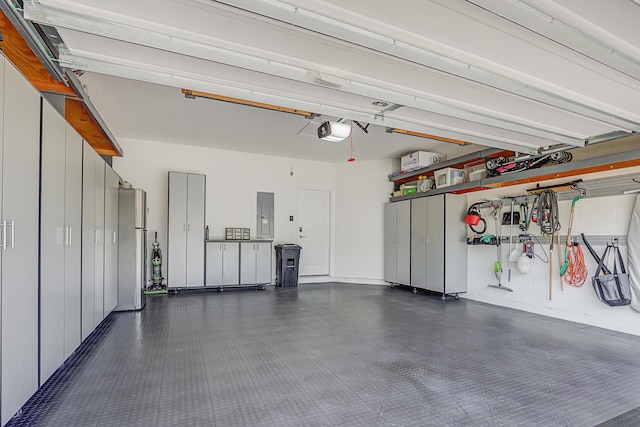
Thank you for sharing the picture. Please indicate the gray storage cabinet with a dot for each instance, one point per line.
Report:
(111, 215)
(397, 242)
(89, 238)
(185, 246)
(19, 196)
(255, 263)
(98, 263)
(97, 240)
(438, 248)
(60, 283)
(223, 263)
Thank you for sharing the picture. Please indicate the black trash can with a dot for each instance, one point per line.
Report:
(287, 261)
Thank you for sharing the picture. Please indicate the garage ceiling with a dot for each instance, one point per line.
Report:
(521, 75)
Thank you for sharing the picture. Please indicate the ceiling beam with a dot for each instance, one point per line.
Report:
(428, 136)
(197, 94)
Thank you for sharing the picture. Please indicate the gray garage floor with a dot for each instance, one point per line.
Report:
(340, 355)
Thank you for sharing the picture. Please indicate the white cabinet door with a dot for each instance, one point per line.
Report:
(3, 418)
(222, 264)
(263, 263)
(20, 210)
(89, 237)
(73, 249)
(53, 238)
(436, 243)
(390, 243)
(98, 296)
(214, 264)
(112, 183)
(419, 242)
(247, 263)
(195, 230)
(397, 242)
(177, 233)
(230, 264)
(403, 231)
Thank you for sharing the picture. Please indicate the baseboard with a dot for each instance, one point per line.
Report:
(354, 280)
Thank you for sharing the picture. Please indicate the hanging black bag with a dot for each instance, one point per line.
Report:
(612, 288)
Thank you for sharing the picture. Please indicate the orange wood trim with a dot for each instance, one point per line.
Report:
(591, 169)
(246, 102)
(426, 135)
(19, 52)
(81, 119)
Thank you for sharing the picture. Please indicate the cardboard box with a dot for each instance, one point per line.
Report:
(420, 159)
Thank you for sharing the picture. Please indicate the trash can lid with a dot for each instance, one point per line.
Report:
(288, 246)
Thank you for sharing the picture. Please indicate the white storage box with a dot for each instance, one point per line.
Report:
(475, 171)
(448, 176)
(420, 159)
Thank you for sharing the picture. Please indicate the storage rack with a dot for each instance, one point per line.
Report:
(617, 160)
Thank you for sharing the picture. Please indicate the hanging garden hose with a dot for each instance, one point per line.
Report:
(576, 273)
(547, 210)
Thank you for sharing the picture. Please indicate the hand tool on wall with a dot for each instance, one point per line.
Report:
(565, 264)
(497, 266)
(559, 256)
(548, 220)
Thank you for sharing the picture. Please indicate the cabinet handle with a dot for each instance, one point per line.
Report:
(69, 239)
(114, 237)
(188, 227)
(184, 227)
(65, 236)
(4, 235)
(13, 234)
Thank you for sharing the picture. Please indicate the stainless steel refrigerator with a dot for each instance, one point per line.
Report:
(132, 249)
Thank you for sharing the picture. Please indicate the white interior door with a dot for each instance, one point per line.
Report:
(314, 209)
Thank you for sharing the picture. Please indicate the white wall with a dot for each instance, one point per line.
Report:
(593, 216)
(358, 192)
(363, 189)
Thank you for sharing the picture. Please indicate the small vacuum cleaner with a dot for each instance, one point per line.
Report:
(156, 287)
